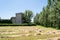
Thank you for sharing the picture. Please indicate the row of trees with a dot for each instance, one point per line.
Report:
(5, 21)
(50, 15)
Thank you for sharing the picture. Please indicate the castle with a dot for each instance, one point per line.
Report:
(17, 19)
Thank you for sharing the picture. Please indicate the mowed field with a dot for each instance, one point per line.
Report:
(28, 33)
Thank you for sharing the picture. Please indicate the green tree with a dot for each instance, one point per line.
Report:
(27, 16)
(50, 15)
(36, 19)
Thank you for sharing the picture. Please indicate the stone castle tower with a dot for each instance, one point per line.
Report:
(17, 19)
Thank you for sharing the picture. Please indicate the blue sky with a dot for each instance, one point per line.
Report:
(8, 8)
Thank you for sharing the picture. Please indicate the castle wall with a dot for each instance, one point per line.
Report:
(17, 19)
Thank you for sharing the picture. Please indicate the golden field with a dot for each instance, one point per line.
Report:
(28, 33)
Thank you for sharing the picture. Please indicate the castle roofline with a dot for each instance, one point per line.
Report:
(13, 17)
(19, 13)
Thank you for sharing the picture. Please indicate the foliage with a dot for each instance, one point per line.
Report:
(27, 16)
(36, 19)
(5, 21)
(24, 24)
(50, 15)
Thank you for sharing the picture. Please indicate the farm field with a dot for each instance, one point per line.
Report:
(28, 33)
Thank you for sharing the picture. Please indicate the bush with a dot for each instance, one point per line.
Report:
(25, 24)
(5, 21)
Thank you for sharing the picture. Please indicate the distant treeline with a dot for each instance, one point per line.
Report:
(5, 21)
(8, 22)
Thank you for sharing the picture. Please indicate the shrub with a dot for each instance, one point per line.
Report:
(25, 24)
